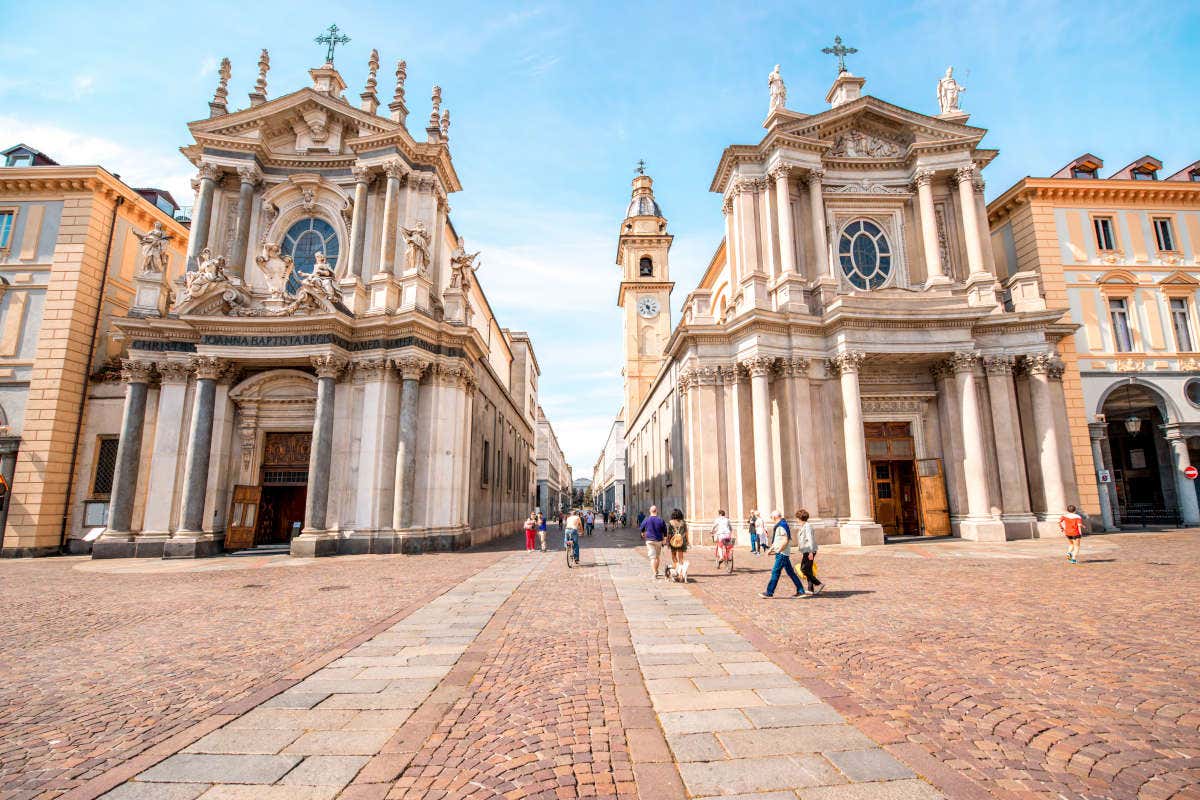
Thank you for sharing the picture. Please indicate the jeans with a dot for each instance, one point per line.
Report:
(807, 562)
(572, 540)
(753, 542)
(783, 563)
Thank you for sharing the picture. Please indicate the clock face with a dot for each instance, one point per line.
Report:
(647, 307)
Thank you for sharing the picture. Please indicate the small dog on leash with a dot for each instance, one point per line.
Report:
(678, 575)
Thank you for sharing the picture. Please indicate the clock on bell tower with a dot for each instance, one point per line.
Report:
(645, 292)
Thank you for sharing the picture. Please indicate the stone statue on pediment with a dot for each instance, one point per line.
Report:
(948, 91)
(154, 255)
(276, 268)
(462, 266)
(778, 89)
(209, 274)
(418, 239)
(318, 291)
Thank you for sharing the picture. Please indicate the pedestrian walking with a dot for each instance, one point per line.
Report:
(641, 518)
(530, 531)
(752, 527)
(806, 543)
(590, 522)
(542, 531)
(722, 533)
(572, 532)
(654, 530)
(781, 546)
(677, 541)
(1071, 524)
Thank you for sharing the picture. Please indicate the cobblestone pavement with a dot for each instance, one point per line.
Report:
(101, 660)
(735, 722)
(1002, 669)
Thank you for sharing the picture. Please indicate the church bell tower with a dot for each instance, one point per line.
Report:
(645, 292)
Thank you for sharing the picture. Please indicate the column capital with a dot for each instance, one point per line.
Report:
(727, 206)
(456, 374)
(207, 171)
(731, 374)
(781, 172)
(999, 364)
(173, 371)
(1174, 434)
(746, 186)
(941, 369)
(394, 169)
(371, 369)
(848, 362)
(249, 174)
(965, 173)
(964, 361)
(758, 366)
(329, 365)
(814, 176)
(1098, 431)
(923, 177)
(362, 174)
(707, 376)
(207, 367)
(797, 367)
(134, 371)
(410, 367)
(1043, 364)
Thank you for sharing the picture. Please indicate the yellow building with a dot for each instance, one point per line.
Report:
(69, 236)
(1123, 253)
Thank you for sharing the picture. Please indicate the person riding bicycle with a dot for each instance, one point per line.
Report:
(722, 532)
(571, 532)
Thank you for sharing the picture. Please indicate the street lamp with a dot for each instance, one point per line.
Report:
(1133, 423)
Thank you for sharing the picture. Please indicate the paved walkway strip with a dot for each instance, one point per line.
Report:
(735, 722)
(310, 741)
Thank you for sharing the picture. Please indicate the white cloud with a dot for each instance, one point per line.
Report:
(83, 85)
(207, 67)
(137, 167)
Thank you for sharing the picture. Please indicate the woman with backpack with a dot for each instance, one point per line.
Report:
(677, 540)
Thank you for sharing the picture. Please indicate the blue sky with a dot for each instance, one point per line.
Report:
(553, 103)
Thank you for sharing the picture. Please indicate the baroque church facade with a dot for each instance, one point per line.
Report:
(849, 348)
(327, 372)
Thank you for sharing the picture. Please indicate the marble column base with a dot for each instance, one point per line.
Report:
(938, 282)
(981, 289)
(29, 552)
(1019, 526)
(982, 530)
(433, 540)
(861, 534)
(135, 547)
(315, 544)
(359, 543)
(193, 544)
(825, 532)
(1046, 527)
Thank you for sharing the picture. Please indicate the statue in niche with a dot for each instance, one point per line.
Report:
(418, 239)
(948, 91)
(276, 267)
(462, 266)
(778, 89)
(154, 255)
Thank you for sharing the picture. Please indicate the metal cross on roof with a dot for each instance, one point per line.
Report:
(332, 39)
(641, 167)
(840, 51)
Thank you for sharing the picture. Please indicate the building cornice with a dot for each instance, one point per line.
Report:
(42, 182)
(1082, 191)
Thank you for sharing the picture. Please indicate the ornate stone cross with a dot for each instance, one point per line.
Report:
(840, 51)
(641, 167)
(331, 38)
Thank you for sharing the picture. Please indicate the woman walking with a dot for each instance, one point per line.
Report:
(530, 531)
(806, 541)
(677, 540)
(541, 520)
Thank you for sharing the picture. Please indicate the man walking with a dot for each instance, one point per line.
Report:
(654, 530)
(781, 546)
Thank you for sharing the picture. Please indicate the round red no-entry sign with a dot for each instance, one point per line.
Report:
(1191, 472)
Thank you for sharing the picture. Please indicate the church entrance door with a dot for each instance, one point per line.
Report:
(284, 487)
(893, 477)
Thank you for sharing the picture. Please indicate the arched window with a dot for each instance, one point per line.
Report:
(303, 241)
(646, 267)
(865, 255)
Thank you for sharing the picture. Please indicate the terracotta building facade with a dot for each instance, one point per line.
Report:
(848, 349)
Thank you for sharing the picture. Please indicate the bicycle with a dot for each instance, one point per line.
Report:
(724, 551)
(571, 546)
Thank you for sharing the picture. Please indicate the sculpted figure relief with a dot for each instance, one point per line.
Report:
(318, 291)
(462, 266)
(277, 268)
(154, 250)
(778, 89)
(948, 91)
(209, 273)
(418, 240)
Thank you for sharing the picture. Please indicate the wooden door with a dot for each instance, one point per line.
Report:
(935, 510)
(243, 517)
(883, 492)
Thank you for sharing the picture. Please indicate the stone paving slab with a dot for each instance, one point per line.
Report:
(203, 768)
(736, 722)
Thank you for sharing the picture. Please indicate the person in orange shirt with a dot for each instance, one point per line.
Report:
(1071, 524)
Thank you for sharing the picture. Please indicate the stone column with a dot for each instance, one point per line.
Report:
(1185, 488)
(759, 368)
(816, 201)
(136, 375)
(202, 213)
(372, 374)
(328, 368)
(929, 238)
(411, 370)
(970, 217)
(1006, 430)
(730, 241)
(249, 177)
(387, 254)
(1098, 433)
(979, 524)
(1041, 368)
(860, 528)
(358, 223)
(199, 447)
(771, 235)
(164, 460)
(783, 201)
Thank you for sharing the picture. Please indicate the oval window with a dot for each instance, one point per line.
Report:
(865, 255)
(1192, 390)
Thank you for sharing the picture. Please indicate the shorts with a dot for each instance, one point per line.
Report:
(1075, 538)
(653, 548)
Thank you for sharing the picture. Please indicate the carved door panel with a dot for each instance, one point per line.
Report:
(883, 490)
(243, 517)
(935, 510)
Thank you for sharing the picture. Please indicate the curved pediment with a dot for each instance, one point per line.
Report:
(277, 385)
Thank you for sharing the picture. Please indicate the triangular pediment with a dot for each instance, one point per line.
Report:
(1179, 279)
(871, 128)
